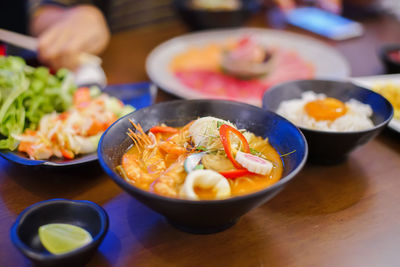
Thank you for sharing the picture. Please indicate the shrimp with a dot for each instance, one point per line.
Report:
(33, 144)
(139, 138)
(36, 150)
(132, 167)
(172, 148)
(153, 160)
(145, 168)
(170, 179)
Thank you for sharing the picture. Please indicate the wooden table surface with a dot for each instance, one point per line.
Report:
(342, 215)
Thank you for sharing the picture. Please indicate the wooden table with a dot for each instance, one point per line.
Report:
(342, 215)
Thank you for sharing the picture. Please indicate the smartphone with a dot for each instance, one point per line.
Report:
(324, 23)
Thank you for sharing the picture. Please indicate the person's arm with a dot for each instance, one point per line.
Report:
(64, 33)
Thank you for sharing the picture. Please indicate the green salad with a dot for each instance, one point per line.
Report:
(26, 94)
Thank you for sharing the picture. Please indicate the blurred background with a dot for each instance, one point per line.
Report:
(66, 29)
(122, 15)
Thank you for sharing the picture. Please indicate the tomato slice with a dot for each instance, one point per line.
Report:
(225, 134)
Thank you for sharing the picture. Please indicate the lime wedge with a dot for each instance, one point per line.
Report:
(59, 238)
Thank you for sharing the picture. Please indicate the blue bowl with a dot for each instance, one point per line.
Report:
(213, 215)
(333, 147)
(85, 214)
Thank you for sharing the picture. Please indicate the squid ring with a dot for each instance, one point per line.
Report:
(206, 179)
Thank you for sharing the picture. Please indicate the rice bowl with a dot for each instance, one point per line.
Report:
(356, 117)
(328, 146)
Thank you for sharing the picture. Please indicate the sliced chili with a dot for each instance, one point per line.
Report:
(163, 129)
(235, 173)
(224, 131)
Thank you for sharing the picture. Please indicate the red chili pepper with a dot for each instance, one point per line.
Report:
(235, 173)
(224, 131)
(163, 129)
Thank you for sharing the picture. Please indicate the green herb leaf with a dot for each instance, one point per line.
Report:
(26, 94)
(287, 154)
(199, 167)
(201, 148)
(254, 152)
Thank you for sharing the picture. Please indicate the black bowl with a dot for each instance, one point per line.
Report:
(214, 215)
(85, 214)
(198, 19)
(333, 147)
(391, 65)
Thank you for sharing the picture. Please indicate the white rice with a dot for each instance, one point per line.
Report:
(355, 119)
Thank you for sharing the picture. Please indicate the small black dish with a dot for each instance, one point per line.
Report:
(390, 56)
(200, 19)
(85, 214)
(333, 147)
(210, 216)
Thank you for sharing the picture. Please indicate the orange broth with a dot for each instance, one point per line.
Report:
(143, 168)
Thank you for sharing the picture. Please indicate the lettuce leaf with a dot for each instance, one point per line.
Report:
(26, 94)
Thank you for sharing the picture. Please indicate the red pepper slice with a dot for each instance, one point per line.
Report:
(224, 131)
(163, 129)
(235, 173)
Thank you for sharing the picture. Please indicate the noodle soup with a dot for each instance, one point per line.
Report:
(207, 159)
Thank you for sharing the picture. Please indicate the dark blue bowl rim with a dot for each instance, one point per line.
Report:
(13, 157)
(382, 124)
(122, 183)
(25, 249)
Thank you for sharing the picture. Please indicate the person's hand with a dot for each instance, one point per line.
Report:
(80, 29)
(334, 6)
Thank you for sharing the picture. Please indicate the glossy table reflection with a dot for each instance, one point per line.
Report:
(343, 215)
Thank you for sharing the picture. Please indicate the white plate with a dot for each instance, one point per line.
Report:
(370, 81)
(329, 64)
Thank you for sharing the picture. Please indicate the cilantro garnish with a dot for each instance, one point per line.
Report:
(201, 148)
(287, 154)
(254, 152)
(199, 167)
